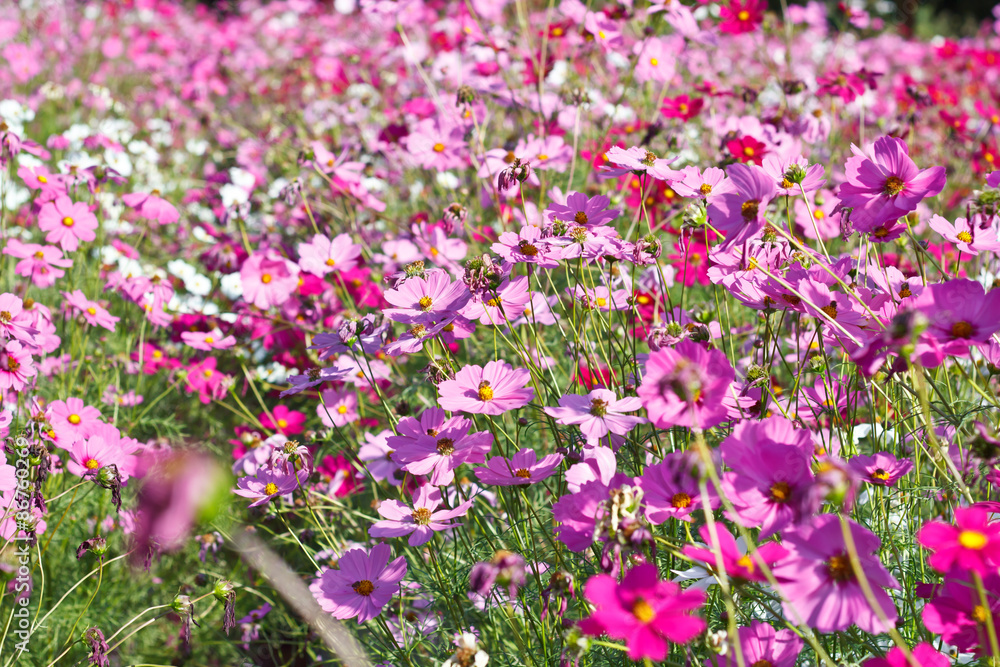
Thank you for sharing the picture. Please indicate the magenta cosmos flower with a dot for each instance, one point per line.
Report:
(924, 655)
(882, 469)
(671, 491)
(598, 413)
(268, 279)
(738, 211)
(362, 586)
(648, 614)
(424, 300)
(522, 469)
(436, 446)
(528, 247)
(762, 645)
(956, 612)
(67, 223)
(740, 16)
(819, 584)
(886, 185)
(421, 521)
(686, 386)
(973, 543)
(960, 313)
(740, 566)
(73, 420)
(490, 390)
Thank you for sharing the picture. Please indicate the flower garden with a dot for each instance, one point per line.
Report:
(507, 332)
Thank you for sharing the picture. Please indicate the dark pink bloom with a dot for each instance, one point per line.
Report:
(15, 366)
(957, 614)
(421, 521)
(819, 584)
(738, 211)
(682, 107)
(741, 16)
(685, 386)
(885, 185)
(763, 645)
(287, 422)
(846, 86)
(522, 469)
(363, 584)
(598, 413)
(490, 390)
(747, 149)
(924, 655)
(646, 613)
(153, 206)
(882, 469)
(959, 313)
(973, 543)
(67, 223)
(739, 566)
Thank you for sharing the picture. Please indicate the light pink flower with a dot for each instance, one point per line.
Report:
(322, 256)
(268, 279)
(419, 522)
(598, 413)
(152, 206)
(93, 313)
(522, 469)
(67, 223)
(490, 390)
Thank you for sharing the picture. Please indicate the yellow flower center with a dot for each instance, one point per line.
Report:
(485, 391)
(580, 218)
(363, 587)
(425, 302)
(39, 255)
(330, 262)
(894, 185)
(972, 539)
(780, 491)
(601, 302)
(979, 613)
(642, 611)
(880, 475)
(341, 409)
(68, 221)
(749, 209)
(42, 179)
(965, 237)
(746, 562)
(819, 214)
(92, 311)
(92, 464)
(266, 278)
(681, 500)
(282, 423)
(523, 473)
(74, 419)
(748, 151)
(839, 567)
(744, 15)
(209, 339)
(446, 446)
(543, 156)
(271, 488)
(654, 62)
(421, 516)
(439, 148)
(706, 189)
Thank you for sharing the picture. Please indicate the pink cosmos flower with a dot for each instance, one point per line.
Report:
(437, 144)
(583, 210)
(819, 584)
(646, 613)
(421, 300)
(286, 421)
(67, 223)
(73, 420)
(339, 407)
(377, 456)
(268, 484)
(490, 390)
(739, 566)
(968, 237)
(606, 32)
(685, 386)
(15, 366)
(957, 614)
(436, 446)
(268, 279)
(924, 655)
(845, 85)
(886, 185)
(598, 413)
(421, 521)
(322, 256)
(638, 160)
(93, 313)
(579, 513)
(761, 644)
(700, 184)
(153, 206)
(685, 108)
(738, 211)
(14, 320)
(206, 341)
(363, 584)
(973, 543)
(527, 246)
(44, 264)
(507, 303)
(671, 491)
(959, 312)
(741, 16)
(522, 469)
(791, 174)
(206, 380)
(747, 149)
(882, 469)
(655, 58)
(104, 447)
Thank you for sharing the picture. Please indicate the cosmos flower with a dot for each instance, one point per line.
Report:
(762, 644)
(882, 469)
(738, 211)
(646, 613)
(522, 469)
(598, 413)
(685, 386)
(421, 521)
(363, 584)
(490, 390)
(972, 544)
(67, 223)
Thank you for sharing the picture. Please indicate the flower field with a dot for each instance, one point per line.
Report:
(507, 332)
